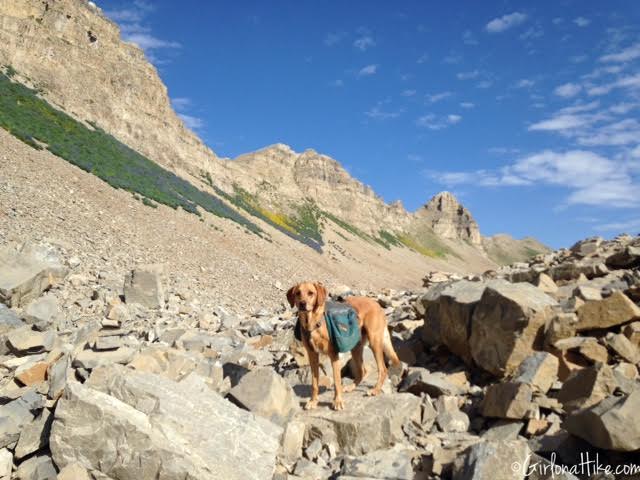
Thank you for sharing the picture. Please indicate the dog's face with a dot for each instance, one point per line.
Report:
(307, 296)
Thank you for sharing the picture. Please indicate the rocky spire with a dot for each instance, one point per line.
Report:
(450, 219)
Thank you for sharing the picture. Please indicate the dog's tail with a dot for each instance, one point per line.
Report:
(389, 351)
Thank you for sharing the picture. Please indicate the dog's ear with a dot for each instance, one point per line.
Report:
(322, 294)
(291, 295)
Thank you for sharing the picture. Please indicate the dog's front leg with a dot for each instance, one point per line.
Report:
(338, 404)
(314, 362)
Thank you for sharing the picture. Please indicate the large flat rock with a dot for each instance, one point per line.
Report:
(26, 274)
(137, 426)
(507, 325)
(366, 424)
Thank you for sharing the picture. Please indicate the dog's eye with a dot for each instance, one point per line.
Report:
(310, 293)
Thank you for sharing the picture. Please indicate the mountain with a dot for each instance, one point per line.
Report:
(72, 87)
(505, 249)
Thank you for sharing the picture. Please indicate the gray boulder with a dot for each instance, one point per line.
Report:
(265, 393)
(132, 425)
(6, 463)
(35, 435)
(144, 286)
(510, 400)
(42, 312)
(366, 424)
(420, 380)
(8, 319)
(39, 467)
(540, 370)
(587, 387)
(23, 341)
(613, 424)
(507, 324)
(614, 310)
(456, 304)
(493, 460)
(392, 464)
(26, 274)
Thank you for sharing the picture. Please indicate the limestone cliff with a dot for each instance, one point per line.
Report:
(73, 53)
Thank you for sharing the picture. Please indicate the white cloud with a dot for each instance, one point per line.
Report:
(337, 83)
(587, 126)
(484, 84)
(591, 179)
(467, 75)
(368, 71)
(525, 83)
(333, 38)
(623, 107)
(562, 122)
(133, 31)
(568, 90)
(531, 33)
(125, 15)
(581, 107)
(148, 42)
(131, 28)
(452, 59)
(628, 226)
(423, 58)
(364, 42)
(467, 105)
(433, 122)
(376, 113)
(414, 157)
(468, 38)
(626, 55)
(505, 22)
(623, 132)
(181, 103)
(191, 122)
(630, 82)
(504, 150)
(408, 93)
(579, 58)
(581, 21)
(437, 97)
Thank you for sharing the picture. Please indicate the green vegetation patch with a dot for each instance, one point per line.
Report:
(304, 225)
(38, 124)
(419, 247)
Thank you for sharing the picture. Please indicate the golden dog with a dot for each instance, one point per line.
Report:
(309, 298)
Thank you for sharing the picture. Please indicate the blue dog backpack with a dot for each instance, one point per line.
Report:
(342, 324)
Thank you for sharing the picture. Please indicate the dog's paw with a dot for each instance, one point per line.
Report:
(373, 392)
(311, 404)
(338, 404)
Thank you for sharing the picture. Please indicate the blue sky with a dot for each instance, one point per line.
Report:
(528, 111)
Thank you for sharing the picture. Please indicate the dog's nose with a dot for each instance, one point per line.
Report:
(302, 305)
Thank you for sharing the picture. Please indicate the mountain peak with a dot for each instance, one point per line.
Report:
(450, 219)
(443, 201)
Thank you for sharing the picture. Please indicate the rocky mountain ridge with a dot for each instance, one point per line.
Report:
(73, 55)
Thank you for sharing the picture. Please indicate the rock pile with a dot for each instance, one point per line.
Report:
(105, 377)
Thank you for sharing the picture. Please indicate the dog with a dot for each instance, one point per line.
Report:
(309, 298)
